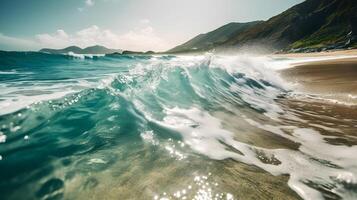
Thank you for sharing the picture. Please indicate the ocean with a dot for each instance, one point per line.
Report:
(167, 127)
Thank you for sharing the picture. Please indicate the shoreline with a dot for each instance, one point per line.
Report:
(343, 52)
(333, 79)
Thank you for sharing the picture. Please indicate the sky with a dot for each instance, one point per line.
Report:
(139, 25)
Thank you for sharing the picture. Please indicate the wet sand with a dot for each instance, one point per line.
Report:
(335, 118)
(334, 79)
(331, 101)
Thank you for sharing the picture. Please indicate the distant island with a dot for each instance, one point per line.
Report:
(97, 49)
(314, 25)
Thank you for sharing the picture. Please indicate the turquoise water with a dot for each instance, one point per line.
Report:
(156, 127)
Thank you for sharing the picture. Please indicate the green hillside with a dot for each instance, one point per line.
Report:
(313, 25)
(214, 38)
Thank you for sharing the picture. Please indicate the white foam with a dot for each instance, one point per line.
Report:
(149, 136)
(83, 56)
(204, 134)
(15, 96)
(200, 131)
(8, 72)
(255, 67)
(341, 99)
(279, 63)
(2, 138)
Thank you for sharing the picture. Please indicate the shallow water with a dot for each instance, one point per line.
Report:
(175, 127)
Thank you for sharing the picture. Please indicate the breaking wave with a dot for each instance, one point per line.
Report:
(98, 120)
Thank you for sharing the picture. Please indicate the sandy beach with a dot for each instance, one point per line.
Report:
(329, 93)
(334, 79)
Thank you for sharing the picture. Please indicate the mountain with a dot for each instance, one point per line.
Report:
(213, 38)
(73, 49)
(97, 49)
(312, 25)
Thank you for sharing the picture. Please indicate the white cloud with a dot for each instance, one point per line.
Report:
(145, 21)
(90, 2)
(142, 39)
(12, 43)
(139, 39)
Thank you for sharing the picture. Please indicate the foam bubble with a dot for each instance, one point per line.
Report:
(204, 134)
(15, 96)
(83, 56)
